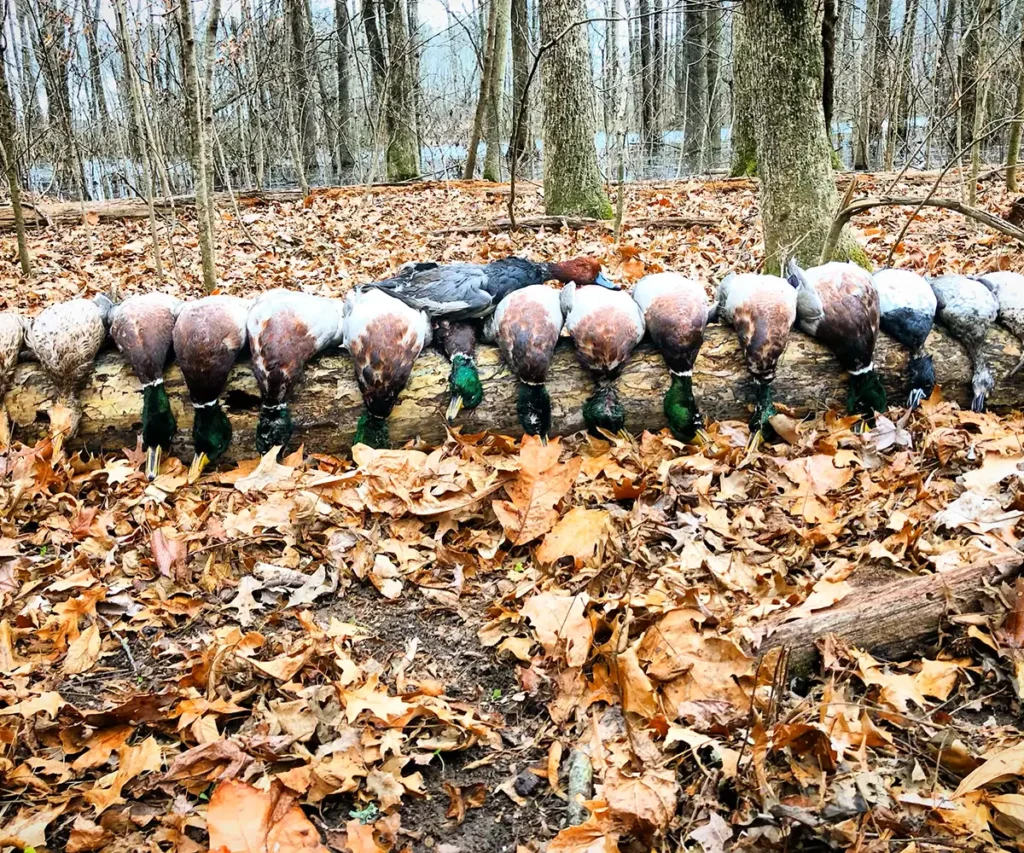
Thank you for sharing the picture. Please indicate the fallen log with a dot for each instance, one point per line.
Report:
(889, 619)
(575, 223)
(328, 402)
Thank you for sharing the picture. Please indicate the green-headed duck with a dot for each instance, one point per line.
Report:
(837, 303)
(208, 336)
(143, 328)
(605, 326)
(968, 308)
(384, 336)
(762, 310)
(1009, 290)
(286, 329)
(676, 311)
(907, 304)
(457, 293)
(65, 338)
(526, 326)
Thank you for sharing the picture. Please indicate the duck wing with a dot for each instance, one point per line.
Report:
(510, 274)
(454, 291)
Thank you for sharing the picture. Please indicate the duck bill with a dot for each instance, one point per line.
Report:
(915, 399)
(604, 281)
(978, 403)
(701, 438)
(543, 440)
(198, 466)
(755, 441)
(454, 407)
(152, 462)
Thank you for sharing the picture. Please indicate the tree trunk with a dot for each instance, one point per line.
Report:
(10, 153)
(696, 85)
(95, 77)
(414, 69)
(376, 46)
(206, 101)
(485, 82)
(403, 157)
(301, 92)
(342, 24)
(798, 195)
(862, 131)
(137, 123)
(658, 58)
(744, 78)
(680, 61)
(646, 72)
(986, 12)
(572, 180)
(328, 402)
(521, 62)
(495, 90)
(900, 128)
(829, 19)
(715, 23)
(972, 19)
(1015, 127)
(200, 144)
(330, 123)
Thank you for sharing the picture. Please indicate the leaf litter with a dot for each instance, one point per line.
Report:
(401, 651)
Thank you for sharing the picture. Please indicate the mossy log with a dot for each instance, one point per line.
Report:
(327, 403)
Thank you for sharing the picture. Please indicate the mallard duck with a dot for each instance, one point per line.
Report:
(907, 305)
(526, 326)
(384, 336)
(286, 328)
(968, 308)
(1008, 288)
(65, 338)
(605, 325)
(837, 303)
(12, 336)
(208, 336)
(675, 311)
(143, 328)
(762, 310)
(457, 293)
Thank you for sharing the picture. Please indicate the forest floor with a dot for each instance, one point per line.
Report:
(389, 677)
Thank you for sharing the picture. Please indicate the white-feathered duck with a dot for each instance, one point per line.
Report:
(907, 304)
(968, 308)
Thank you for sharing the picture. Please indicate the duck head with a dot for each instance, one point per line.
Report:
(274, 428)
(603, 410)
(158, 425)
(921, 373)
(466, 388)
(372, 431)
(211, 433)
(982, 384)
(764, 410)
(680, 409)
(865, 394)
(582, 271)
(534, 409)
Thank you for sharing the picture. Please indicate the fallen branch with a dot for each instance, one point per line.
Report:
(891, 619)
(575, 223)
(847, 213)
(328, 402)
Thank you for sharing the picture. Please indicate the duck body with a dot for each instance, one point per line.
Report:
(605, 325)
(454, 295)
(837, 303)
(907, 305)
(142, 327)
(209, 334)
(526, 326)
(384, 336)
(285, 329)
(968, 308)
(1008, 288)
(762, 310)
(66, 338)
(675, 310)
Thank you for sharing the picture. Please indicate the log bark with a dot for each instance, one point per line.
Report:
(327, 404)
(890, 619)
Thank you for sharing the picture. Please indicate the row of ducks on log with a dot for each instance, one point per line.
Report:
(385, 326)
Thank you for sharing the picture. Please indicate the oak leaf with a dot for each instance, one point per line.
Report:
(580, 534)
(542, 482)
(559, 618)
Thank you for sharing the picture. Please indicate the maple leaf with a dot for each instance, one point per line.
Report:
(595, 835)
(643, 803)
(561, 618)
(369, 697)
(244, 819)
(542, 482)
(83, 652)
(580, 534)
(132, 761)
(359, 838)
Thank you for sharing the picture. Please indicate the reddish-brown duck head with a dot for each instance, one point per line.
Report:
(581, 270)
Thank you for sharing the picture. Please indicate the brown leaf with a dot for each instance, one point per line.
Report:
(168, 553)
(1007, 764)
(132, 761)
(360, 838)
(84, 651)
(542, 482)
(643, 803)
(28, 827)
(637, 691)
(593, 836)
(244, 819)
(580, 534)
(561, 619)
(86, 835)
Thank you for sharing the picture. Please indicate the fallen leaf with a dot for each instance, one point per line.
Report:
(559, 618)
(1007, 764)
(542, 482)
(643, 803)
(580, 534)
(244, 819)
(84, 651)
